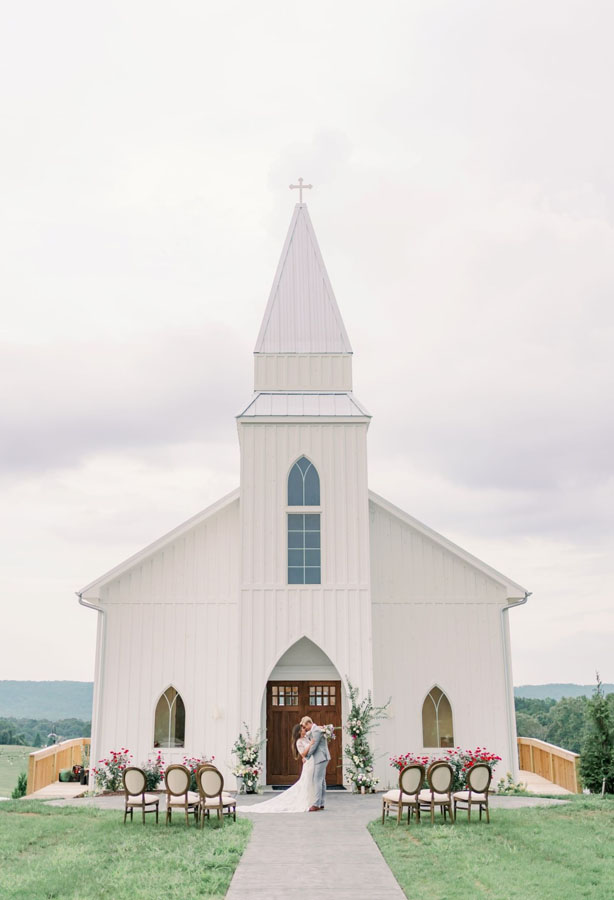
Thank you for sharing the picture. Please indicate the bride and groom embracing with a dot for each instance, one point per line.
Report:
(309, 744)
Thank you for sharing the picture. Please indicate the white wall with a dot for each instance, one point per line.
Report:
(173, 619)
(335, 615)
(436, 620)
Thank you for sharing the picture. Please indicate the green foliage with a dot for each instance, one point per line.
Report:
(597, 758)
(530, 726)
(67, 853)
(154, 772)
(21, 787)
(108, 773)
(563, 851)
(362, 719)
(539, 709)
(29, 731)
(507, 786)
(567, 723)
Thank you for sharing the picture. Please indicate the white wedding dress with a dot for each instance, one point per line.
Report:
(297, 798)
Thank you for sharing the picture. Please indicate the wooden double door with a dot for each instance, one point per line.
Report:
(287, 703)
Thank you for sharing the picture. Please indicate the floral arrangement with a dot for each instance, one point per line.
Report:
(247, 751)
(460, 760)
(359, 756)
(192, 763)
(329, 732)
(109, 775)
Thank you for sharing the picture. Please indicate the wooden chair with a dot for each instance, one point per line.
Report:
(210, 785)
(135, 781)
(178, 794)
(411, 779)
(478, 782)
(439, 777)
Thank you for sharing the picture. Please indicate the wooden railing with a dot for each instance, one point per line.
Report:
(44, 765)
(557, 765)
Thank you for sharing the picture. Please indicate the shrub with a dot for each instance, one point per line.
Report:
(597, 758)
(508, 786)
(192, 763)
(109, 775)
(21, 787)
(154, 772)
(247, 751)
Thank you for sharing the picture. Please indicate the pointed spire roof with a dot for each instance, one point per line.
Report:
(302, 315)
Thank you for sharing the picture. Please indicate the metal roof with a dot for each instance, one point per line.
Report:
(303, 403)
(302, 315)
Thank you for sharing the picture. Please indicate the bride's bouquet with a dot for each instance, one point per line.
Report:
(329, 732)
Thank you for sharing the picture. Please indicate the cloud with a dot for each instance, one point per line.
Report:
(65, 402)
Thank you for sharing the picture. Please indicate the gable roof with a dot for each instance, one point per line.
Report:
(514, 590)
(160, 543)
(302, 315)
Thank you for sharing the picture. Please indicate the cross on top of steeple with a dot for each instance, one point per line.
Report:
(300, 187)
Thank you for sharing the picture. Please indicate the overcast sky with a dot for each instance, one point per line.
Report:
(461, 155)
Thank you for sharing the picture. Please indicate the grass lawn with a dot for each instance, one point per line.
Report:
(549, 852)
(66, 852)
(13, 760)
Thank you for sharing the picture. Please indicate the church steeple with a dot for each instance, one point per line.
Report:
(302, 342)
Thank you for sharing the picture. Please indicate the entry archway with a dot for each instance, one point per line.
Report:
(303, 683)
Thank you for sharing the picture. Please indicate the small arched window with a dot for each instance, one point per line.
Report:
(437, 729)
(303, 484)
(169, 722)
(304, 553)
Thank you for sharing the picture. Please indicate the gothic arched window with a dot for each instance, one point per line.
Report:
(303, 484)
(169, 721)
(437, 729)
(304, 554)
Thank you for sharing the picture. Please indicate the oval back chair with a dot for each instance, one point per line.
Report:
(439, 777)
(411, 779)
(178, 794)
(479, 777)
(210, 784)
(134, 781)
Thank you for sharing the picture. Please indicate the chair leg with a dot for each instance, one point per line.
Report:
(452, 816)
(469, 812)
(125, 813)
(143, 814)
(487, 815)
(157, 806)
(168, 816)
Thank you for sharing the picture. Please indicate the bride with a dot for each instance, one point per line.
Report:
(301, 795)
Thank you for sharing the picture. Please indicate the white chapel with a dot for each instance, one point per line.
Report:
(257, 609)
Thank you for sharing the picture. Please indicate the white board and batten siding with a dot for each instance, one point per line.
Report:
(172, 618)
(436, 621)
(335, 615)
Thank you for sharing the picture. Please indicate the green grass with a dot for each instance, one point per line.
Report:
(13, 760)
(81, 854)
(545, 852)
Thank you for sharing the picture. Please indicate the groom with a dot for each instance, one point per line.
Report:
(321, 757)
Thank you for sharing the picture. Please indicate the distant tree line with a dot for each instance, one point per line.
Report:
(34, 732)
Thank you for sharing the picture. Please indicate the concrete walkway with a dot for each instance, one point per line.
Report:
(331, 850)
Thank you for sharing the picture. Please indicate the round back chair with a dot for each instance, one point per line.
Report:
(479, 778)
(209, 781)
(411, 778)
(440, 777)
(177, 779)
(134, 780)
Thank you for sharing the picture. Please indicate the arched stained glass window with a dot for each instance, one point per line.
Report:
(303, 484)
(304, 552)
(169, 722)
(437, 729)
